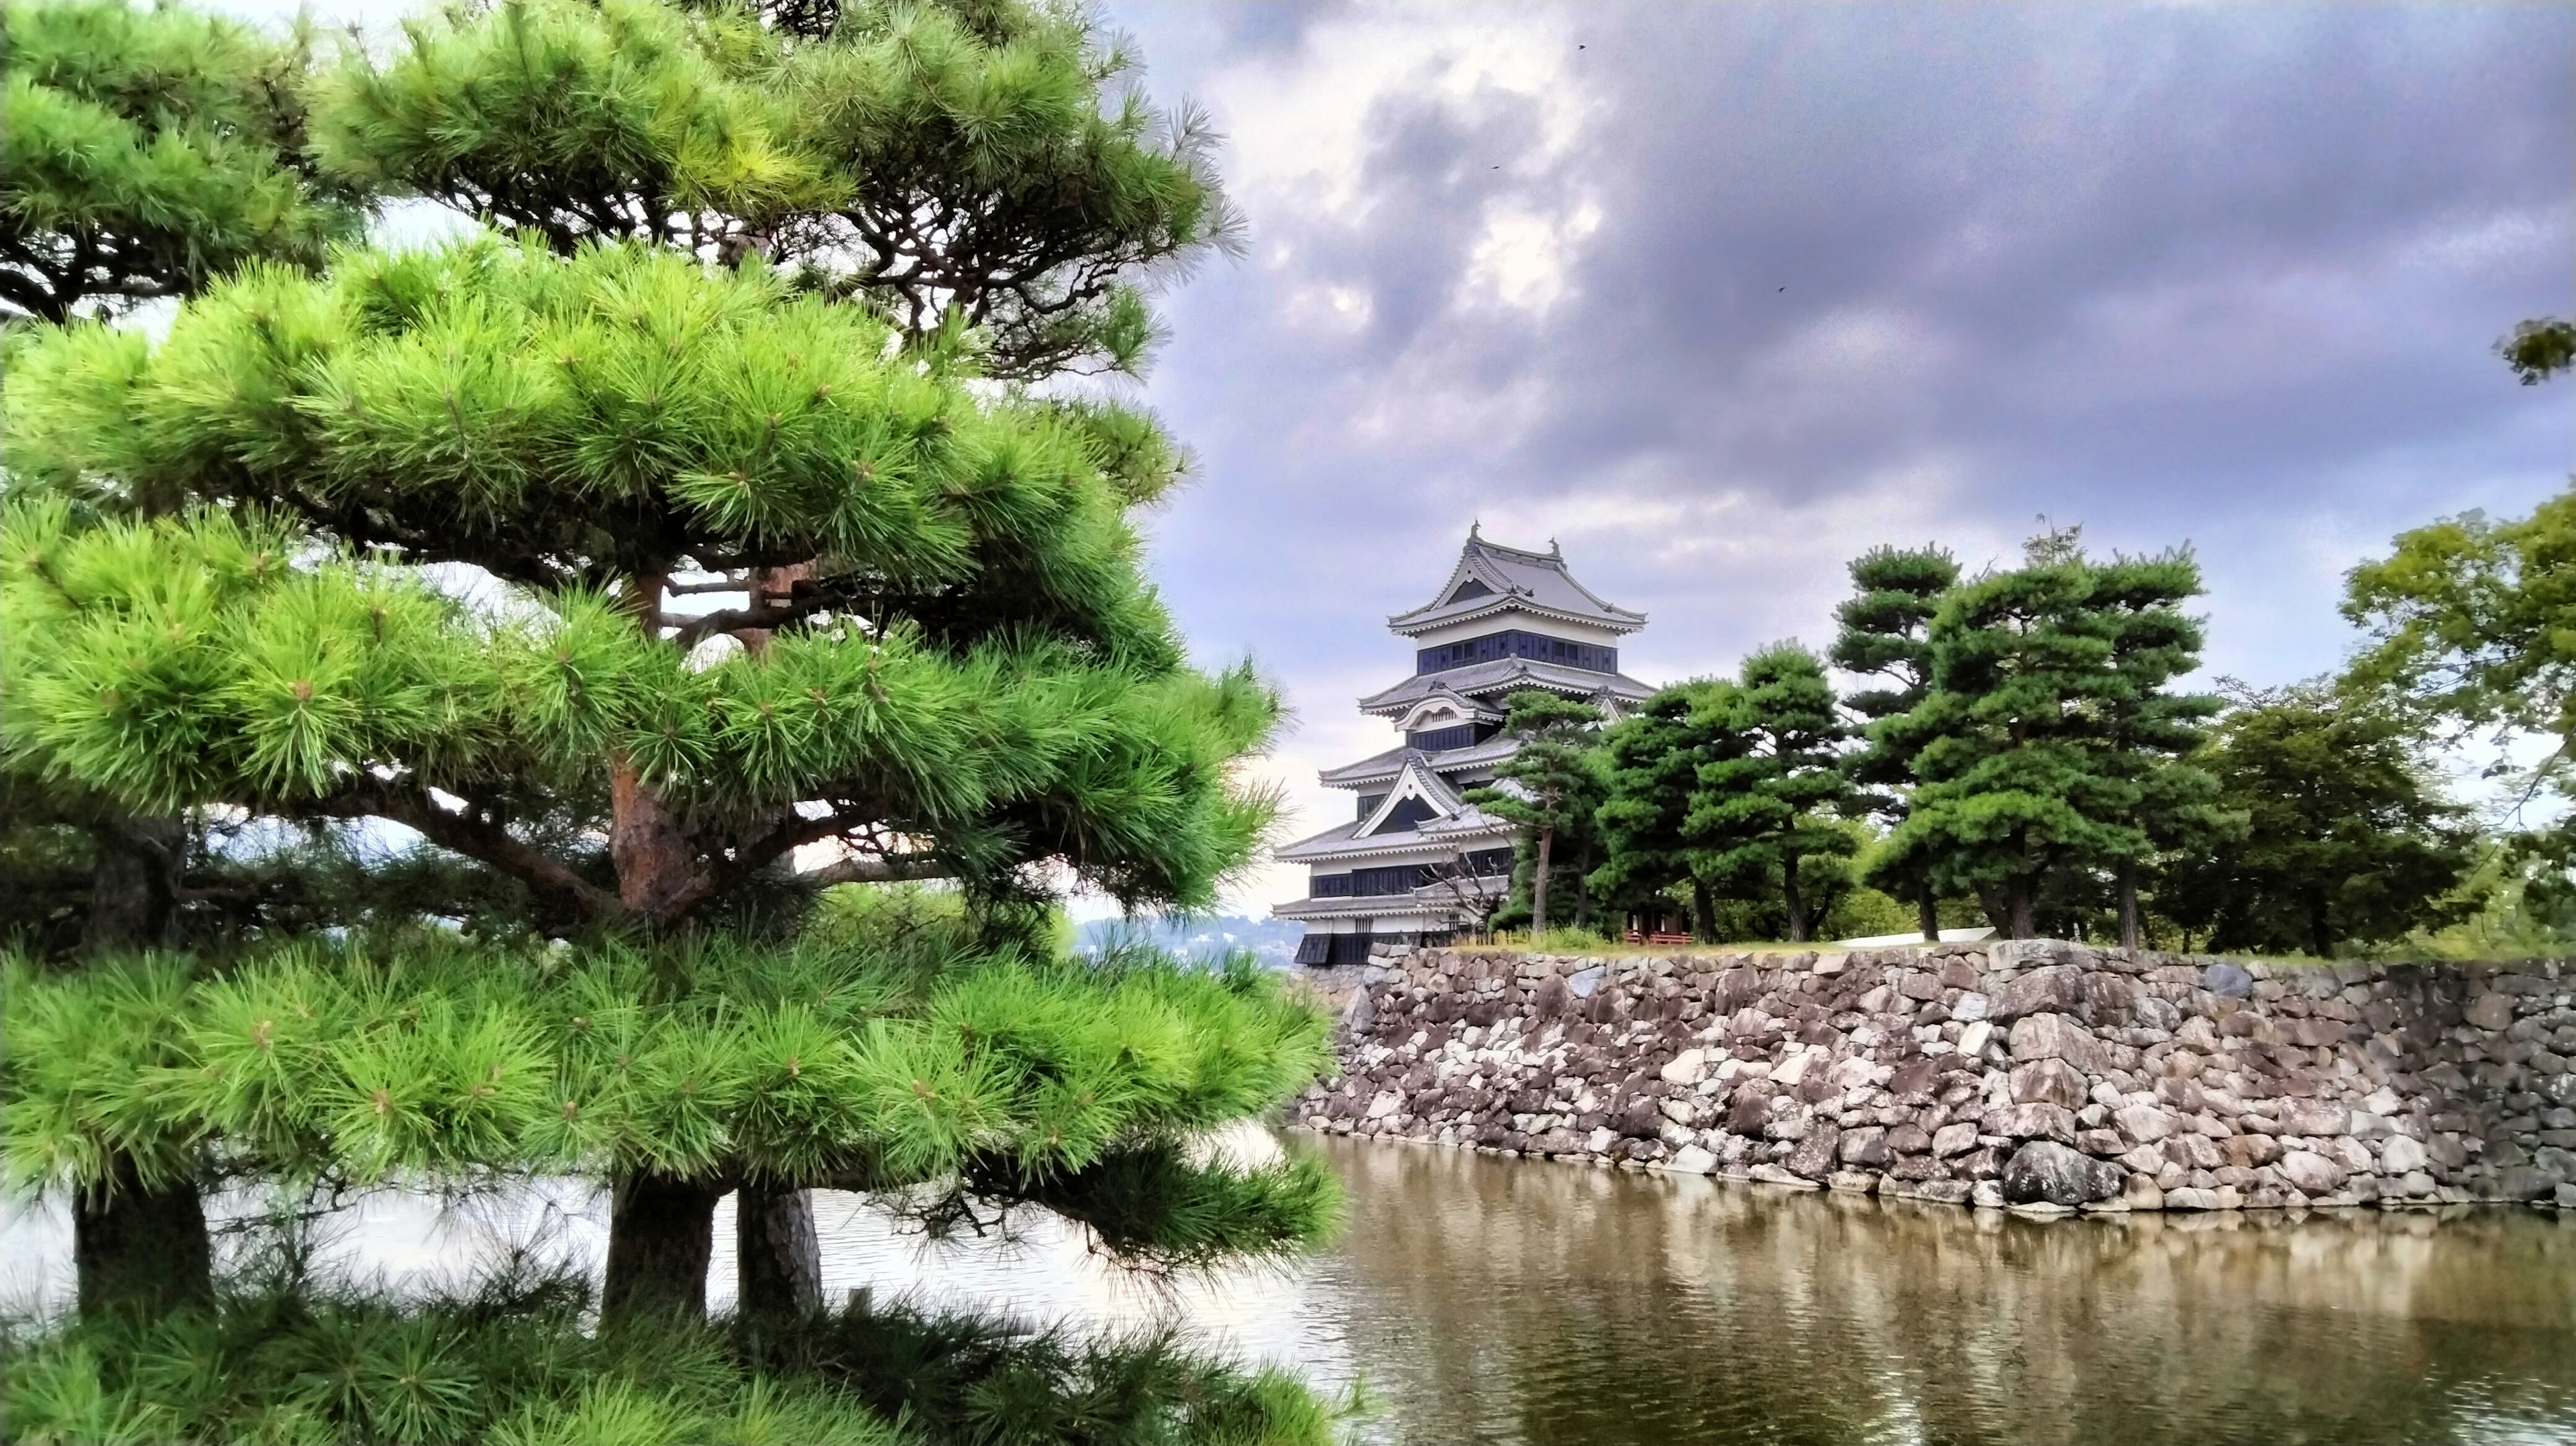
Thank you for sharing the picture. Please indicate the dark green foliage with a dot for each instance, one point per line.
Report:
(1651, 760)
(1768, 781)
(1886, 637)
(1551, 785)
(145, 152)
(2539, 349)
(293, 1361)
(2347, 837)
(966, 165)
(2038, 741)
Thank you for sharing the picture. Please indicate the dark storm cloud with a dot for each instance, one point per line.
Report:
(2225, 274)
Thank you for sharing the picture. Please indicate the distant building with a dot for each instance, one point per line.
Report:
(1417, 863)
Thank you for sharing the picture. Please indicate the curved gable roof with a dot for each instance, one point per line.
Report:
(1491, 579)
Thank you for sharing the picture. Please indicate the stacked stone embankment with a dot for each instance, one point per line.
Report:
(2037, 1074)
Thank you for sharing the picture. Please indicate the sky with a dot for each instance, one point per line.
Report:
(1719, 296)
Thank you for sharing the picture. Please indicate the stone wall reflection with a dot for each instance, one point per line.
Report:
(1543, 1302)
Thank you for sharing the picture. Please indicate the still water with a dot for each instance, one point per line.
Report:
(1483, 1300)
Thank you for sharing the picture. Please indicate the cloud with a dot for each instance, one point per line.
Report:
(1731, 293)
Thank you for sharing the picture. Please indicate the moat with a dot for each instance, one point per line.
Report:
(1521, 1301)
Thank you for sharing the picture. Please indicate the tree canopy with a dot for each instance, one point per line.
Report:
(1762, 800)
(144, 152)
(631, 558)
(2029, 758)
(2347, 837)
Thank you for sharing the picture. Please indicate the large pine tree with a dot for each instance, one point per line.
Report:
(445, 540)
(2043, 738)
(1884, 637)
(1759, 806)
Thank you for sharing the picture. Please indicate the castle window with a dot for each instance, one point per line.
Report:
(1516, 643)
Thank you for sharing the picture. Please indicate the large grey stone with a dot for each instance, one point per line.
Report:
(1690, 1160)
(2144, 1124)
(2047, 1081)
(2228, 979)
(2312, 1173)
(1814, 1157)
(2046, 1171)
(2490, 1011)
(1584, 981)
(2053, 1036)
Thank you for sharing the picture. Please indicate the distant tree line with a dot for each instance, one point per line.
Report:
(2021, 752)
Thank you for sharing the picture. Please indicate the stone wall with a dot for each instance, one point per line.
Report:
(2035, 1074)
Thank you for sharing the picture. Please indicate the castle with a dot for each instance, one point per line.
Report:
(1417, 864)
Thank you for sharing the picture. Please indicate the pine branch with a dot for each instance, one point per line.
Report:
(481, 838)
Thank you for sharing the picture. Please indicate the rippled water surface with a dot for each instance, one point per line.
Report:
(1485, 1300)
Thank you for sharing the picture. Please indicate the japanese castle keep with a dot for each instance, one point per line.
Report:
(1417, 862)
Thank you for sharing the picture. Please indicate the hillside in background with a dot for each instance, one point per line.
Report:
(1272, 941)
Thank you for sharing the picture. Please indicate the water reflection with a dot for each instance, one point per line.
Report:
(1520, 1302)
(1554, 1305)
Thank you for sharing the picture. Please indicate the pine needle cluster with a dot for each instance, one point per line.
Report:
(983, 1075)
(515, 1362)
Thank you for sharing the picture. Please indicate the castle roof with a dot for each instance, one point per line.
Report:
(1502, 676)
(1492, 579)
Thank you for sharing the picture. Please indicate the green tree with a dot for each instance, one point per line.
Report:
(145, 152)
(1884, 637)
(2472, 621)
(1758, 807)
(2033, 744)
(1650, 764)
(2347, 839)
(2150, 732)
(919, 712)
(2539, 349)
(949, 166)
(948, 663)
(1550, 786)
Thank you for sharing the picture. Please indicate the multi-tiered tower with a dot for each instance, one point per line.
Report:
(1418, 862)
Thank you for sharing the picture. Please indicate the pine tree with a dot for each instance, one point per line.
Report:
(1550, 786)
(1651, 762)
(946, 165)
(1757, 807)
(2035, 743)
(942, 660)
(146, 152)
(142, 154)
(1884, 637)
(2152, 733)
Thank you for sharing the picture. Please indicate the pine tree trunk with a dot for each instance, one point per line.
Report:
(778, 1260)
(134, 884)
(1703, 913)
(1927, 913)
(661, 1234)
(2131, 929)
(132, 1248)
(1583, 893)
(1538, 884)
(2021, 909)
(645, 843)
(139, 1250)
(1797, 902)
(2320, 930)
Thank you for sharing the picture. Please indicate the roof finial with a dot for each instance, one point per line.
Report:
(1553, 550)
(1475, 529)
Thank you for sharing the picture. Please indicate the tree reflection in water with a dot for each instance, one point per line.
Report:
(1513, 1301)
